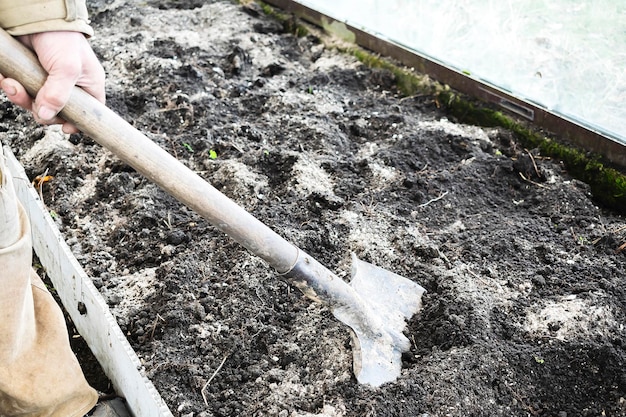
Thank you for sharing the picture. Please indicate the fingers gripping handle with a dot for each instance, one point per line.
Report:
(18, 62)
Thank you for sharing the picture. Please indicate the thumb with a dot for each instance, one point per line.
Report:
(56, 91)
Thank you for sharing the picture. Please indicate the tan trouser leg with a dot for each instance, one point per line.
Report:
(9, 213)
(39, 374)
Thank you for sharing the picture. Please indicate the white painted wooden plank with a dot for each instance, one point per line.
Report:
(96, 324)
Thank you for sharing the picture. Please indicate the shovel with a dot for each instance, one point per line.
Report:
(376, 302)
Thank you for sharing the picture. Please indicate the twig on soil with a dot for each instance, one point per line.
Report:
(154, 325)
(532, 158)
(172, 146)
(621, 248)
(414, 96)
(369, 208)
(168, 221)
(531, 181)
(521, 401)
(237, 148)
(444, 257)
(211, 379)
(432, 200)
(481, 279)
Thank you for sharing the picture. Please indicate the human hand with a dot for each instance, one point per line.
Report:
(69, 60)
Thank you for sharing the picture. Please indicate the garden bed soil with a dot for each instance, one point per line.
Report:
(525, 306)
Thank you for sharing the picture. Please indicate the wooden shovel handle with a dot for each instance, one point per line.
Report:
(137, 150)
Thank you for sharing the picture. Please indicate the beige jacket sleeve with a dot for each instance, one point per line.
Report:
(24, 17)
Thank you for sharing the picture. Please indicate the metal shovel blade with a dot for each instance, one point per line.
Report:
(375, 305)
(393, 299)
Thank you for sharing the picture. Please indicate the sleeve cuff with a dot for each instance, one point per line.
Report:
(33, 16)
(52, 25)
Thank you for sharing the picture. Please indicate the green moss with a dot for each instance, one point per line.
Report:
(290, 23)
(407, 82)
(608, 185)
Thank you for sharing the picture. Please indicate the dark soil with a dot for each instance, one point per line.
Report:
(525, 306)
(92, 370)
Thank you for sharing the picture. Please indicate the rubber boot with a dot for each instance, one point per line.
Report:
(39, 374)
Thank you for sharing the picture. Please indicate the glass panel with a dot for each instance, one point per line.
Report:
(567, 56)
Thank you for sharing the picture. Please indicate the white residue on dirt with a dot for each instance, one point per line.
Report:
(327, 411)
(238, 180)
(319, 101)
(369, 148)
(53, 144)
(569, 318)
(420, 239)
(367, 233)
(383, 175)
(444, 125)
(132, 290)
(328, 61)
(311, 178)
(455, 227)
